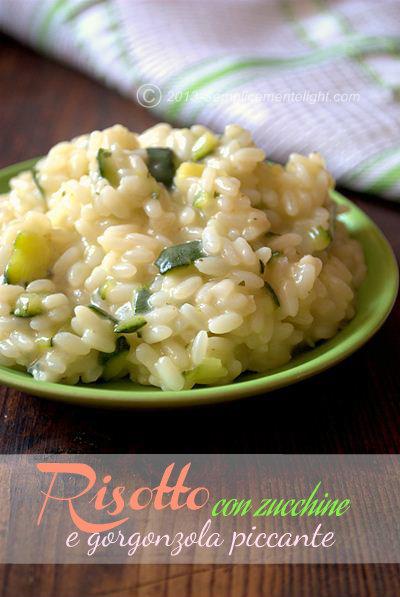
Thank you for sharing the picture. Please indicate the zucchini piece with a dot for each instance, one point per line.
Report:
(272, 293)
(204, 145)
(187, 169)
(100, 311)
(161, 164)
(210, 371)
(121, 345)
(116, 366)
(179, 255)
(37, 183)
(108, 285)
(107, 168)
(320, 238)
(44, 343)
(141, 301)
(130, 325)
(115, 363)
(28, 304)
(202, 199)
(30, 259)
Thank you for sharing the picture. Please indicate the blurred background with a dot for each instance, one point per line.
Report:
(302, 75)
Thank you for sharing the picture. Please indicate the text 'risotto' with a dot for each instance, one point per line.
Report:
(176, 257)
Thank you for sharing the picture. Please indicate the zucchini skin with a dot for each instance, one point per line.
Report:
(116, 367)
(161, 164)
(126, 326)
(179, 256)
(121, 345)
(99, 311)
(108, 285)
(106, 171)
(272, 293)
(204, 145)
(37, 183)
(141, 301)
(131, 325)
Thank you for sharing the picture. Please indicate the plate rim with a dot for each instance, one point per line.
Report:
(114, 398)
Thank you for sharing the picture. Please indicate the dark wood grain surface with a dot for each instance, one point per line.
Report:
(354, 407)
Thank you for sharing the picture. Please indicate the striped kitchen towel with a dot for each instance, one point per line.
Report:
(302, 75)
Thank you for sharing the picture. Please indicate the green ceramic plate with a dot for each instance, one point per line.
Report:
(375, 300)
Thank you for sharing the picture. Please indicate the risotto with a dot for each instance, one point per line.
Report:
(176, 257)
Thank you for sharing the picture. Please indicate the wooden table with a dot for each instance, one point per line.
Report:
(352, 408)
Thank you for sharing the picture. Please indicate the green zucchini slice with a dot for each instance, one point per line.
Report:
(210, 371)
(179, 256)
(28, 304)
(102, 312)
(204, 145)
(130, 325)
(161, 164)
(30, 259)
(107, 167)
(116, 366)
(141, 301)
(105, 288)
(320, 238)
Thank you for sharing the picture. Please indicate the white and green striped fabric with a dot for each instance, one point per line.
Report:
(302, 75)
